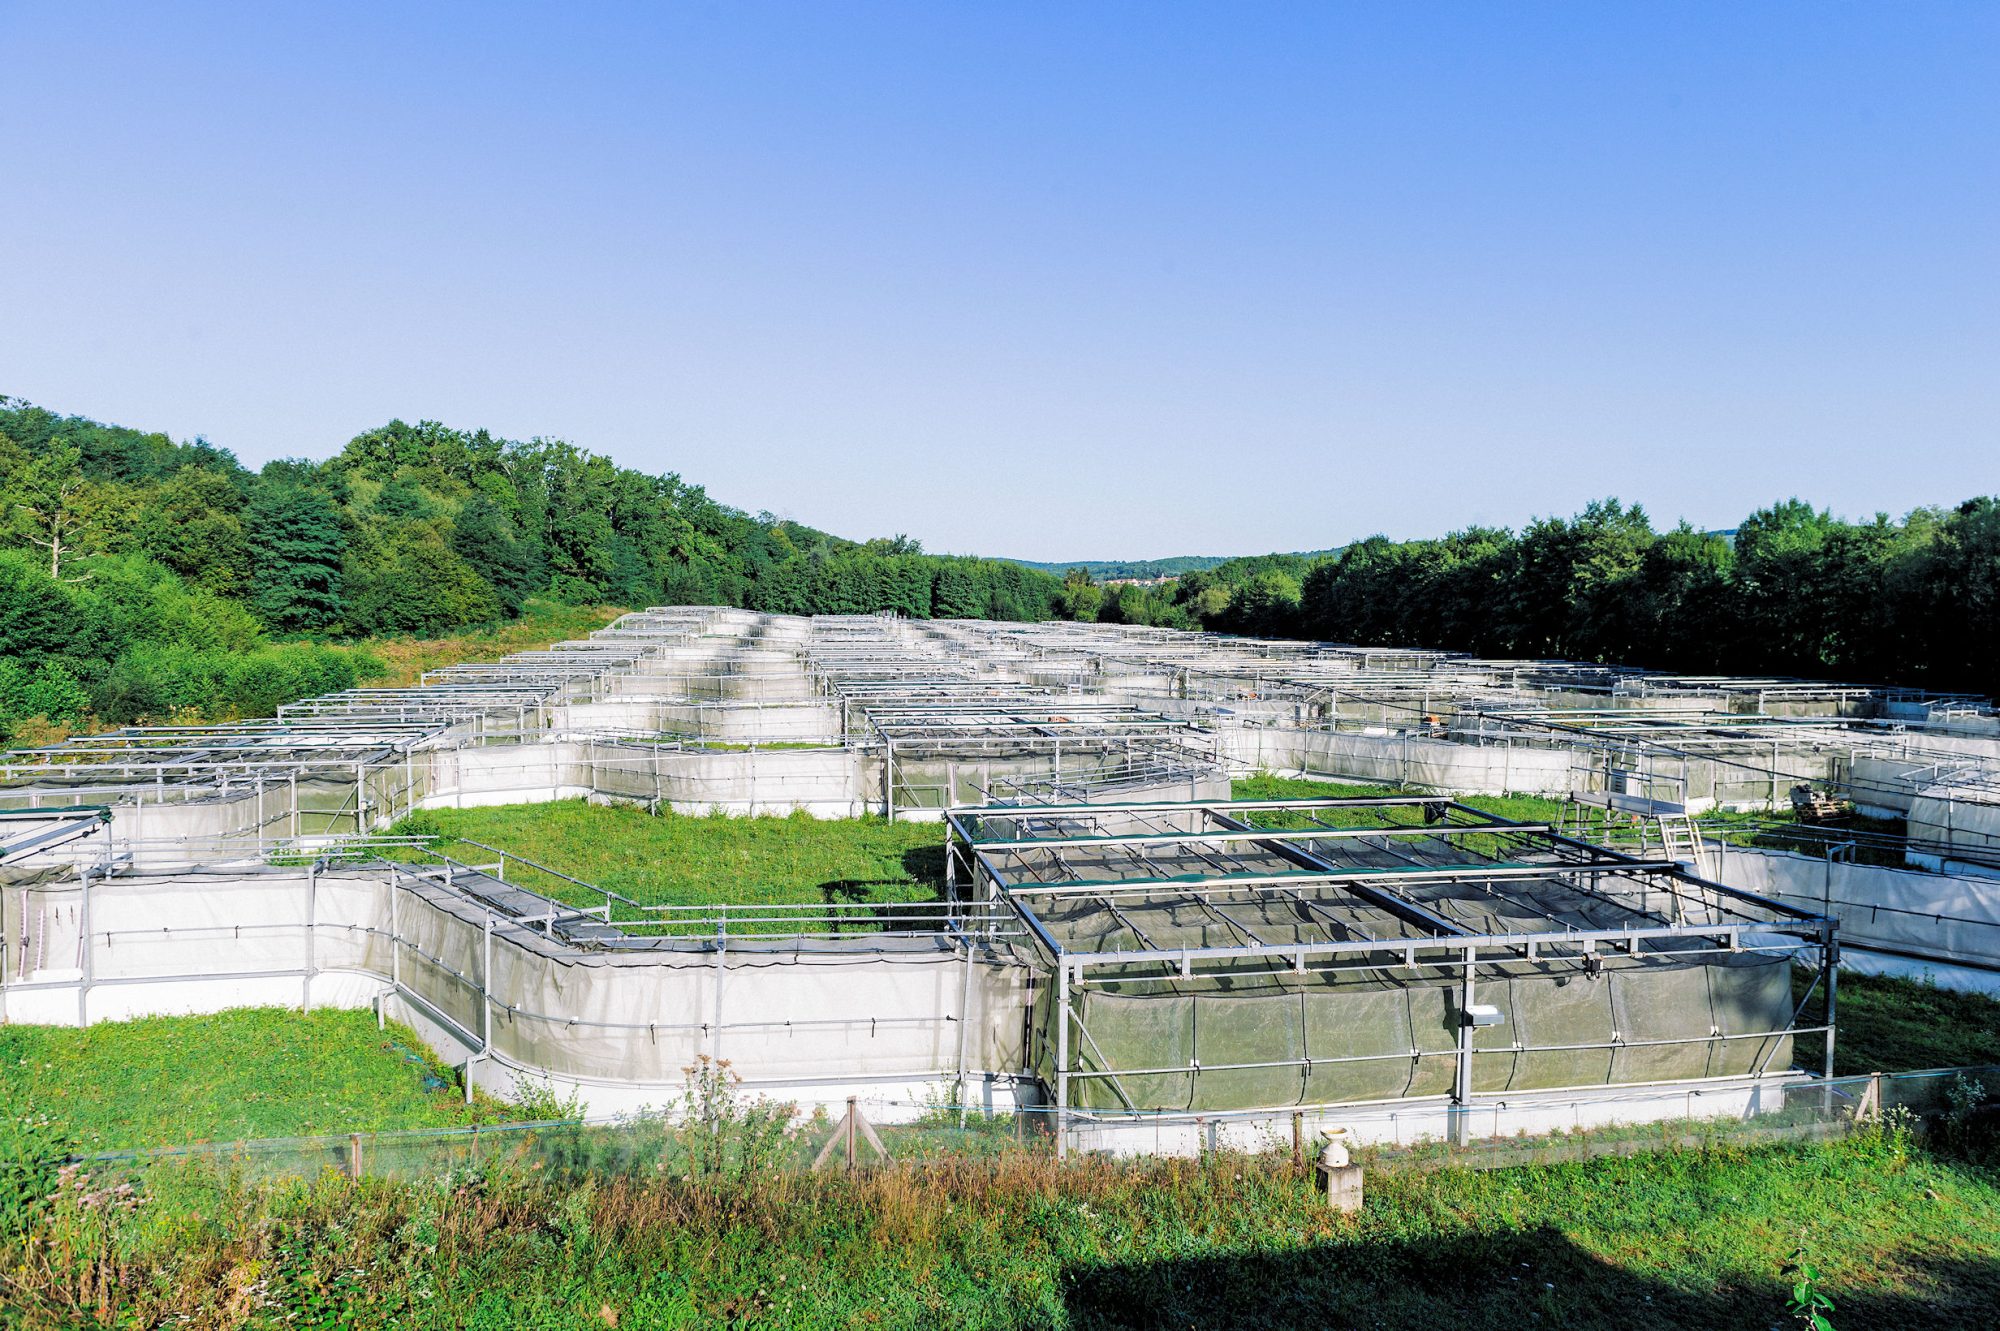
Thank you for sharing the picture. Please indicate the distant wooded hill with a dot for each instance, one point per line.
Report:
(144, 577)
(1171, 567)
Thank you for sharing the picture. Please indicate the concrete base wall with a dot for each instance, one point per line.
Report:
(1412, 1122)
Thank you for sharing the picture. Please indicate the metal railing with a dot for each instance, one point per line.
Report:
(775, 1136)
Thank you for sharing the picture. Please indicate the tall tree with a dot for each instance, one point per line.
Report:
(297, 543)
(47, 508)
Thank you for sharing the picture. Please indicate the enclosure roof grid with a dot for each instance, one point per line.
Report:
(1434, 881)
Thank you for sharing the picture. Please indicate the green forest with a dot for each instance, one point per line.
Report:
(145, 579)
(1797, 591)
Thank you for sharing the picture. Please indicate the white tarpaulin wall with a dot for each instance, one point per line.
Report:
(786, 1013)
(1405, 760)
(827, 783)
(801, 722)
(1956, 824)
(1749, 776)
(1951, 919)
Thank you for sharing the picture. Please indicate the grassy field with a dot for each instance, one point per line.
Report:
(1680, 1239)
(1777, 829)
(541, 623)
(251, 1072)
(1892, 1025)
(698, 859)
(1519, 808)
(1689, 1239)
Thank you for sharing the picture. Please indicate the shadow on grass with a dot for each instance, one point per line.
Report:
(892, 902)
(924, 866)
(1528, 1278)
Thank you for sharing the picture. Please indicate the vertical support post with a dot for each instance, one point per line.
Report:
(87, 963)
(486, 987)
(1062, 1056)
(715, 1015)
(395, 938)
(1830, 952)
(312, 934)
(354, 1155)
(1461, 1089)
(964, 1016)
(853, 1109)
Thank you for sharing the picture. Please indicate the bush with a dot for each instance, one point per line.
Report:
(50, 692)
(157, 680)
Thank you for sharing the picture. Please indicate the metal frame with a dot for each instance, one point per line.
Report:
(1669, 910)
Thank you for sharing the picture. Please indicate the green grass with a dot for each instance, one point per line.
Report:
(1516, 808)
(703, 859)
(249, 1072)
(542, 622)
(1877, 841)
(1681, 1239)
(1769, 828)
(1895, 1025)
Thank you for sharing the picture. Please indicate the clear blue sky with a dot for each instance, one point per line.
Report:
(1055, 281)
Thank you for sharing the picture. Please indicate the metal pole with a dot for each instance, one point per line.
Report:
(312, 931)
(395, 940)
(1062, 1057)
(83, 940)
(486, 988)
(1461, 1091)
(715, 1030)
(964, 1017)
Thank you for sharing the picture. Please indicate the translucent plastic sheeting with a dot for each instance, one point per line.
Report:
(1398, 760)
(820, 781)
(1635, 1020)
(1951, 822)
(780, 1010)
(1950, 918)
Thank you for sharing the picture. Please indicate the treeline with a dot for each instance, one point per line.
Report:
(1795, 592)
(135, 642)
(408, 530)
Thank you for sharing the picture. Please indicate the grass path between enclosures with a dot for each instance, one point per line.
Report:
(701, 859)
(228, 1076)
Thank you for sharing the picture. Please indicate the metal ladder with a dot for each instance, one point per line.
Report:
(1681, 843)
